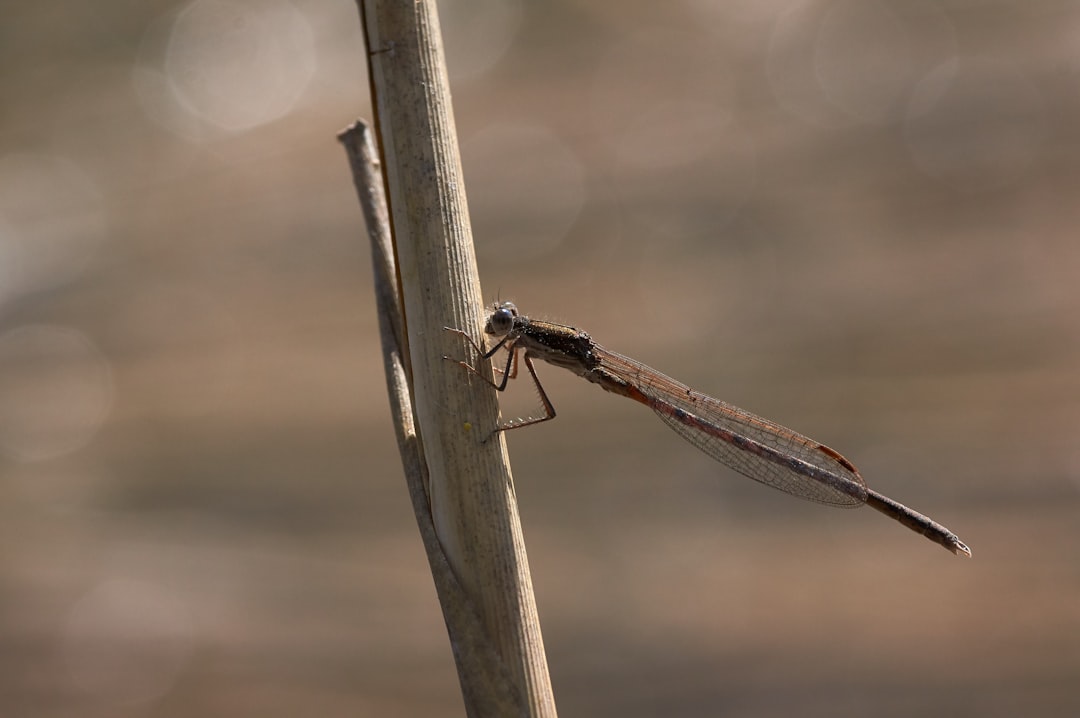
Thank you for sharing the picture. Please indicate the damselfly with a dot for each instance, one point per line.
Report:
(755, 447)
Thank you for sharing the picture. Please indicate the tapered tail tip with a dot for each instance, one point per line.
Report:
(959, 548)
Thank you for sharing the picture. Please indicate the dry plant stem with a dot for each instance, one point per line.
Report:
(488, 689)
(470, 488)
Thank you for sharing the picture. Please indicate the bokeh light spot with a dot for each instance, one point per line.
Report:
(56, 390)
(52, 221)
(477, 34)
(863, 59)
(839, 62)
(526, 186)
(975, 125)
(126, 642)
(231, 64)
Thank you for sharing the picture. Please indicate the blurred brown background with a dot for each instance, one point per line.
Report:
(855, 217)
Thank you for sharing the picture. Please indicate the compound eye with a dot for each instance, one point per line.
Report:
(501, 320)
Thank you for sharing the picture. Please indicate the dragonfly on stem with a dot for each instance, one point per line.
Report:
(755, 447)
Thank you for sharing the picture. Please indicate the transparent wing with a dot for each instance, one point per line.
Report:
(755, 447)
